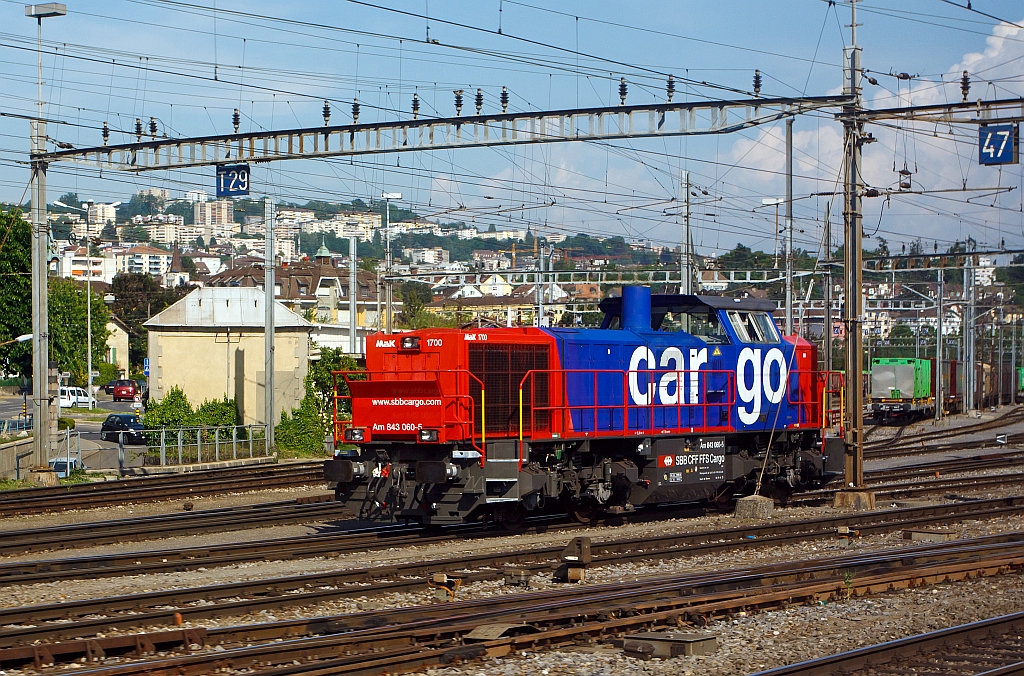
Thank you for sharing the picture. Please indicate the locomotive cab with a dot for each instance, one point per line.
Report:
(674, 398)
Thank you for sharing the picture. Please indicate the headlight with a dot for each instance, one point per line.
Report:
(354, 434)
(411, 343)
(428, 436)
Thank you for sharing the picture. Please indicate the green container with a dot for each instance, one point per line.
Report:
(901, 378)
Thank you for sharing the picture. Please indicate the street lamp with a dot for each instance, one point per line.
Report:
(387, 197)
(24, 338)
(40, 247)
(88, 289)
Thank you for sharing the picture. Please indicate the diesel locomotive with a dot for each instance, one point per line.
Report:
(675, 398)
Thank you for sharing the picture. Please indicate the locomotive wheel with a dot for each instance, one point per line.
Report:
(509, 515)
(583, 510)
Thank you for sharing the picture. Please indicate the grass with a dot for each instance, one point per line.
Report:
(9, 439)
(11, 484)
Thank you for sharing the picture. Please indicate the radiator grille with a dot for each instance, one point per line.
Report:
(501, 368)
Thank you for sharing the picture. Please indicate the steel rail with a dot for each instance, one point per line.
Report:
(943, 648)
(572, 613)
(336, 544)
(157, 608)
(31, 501)
(301, 510)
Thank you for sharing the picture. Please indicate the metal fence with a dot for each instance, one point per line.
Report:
(12, 426)
(190, 445)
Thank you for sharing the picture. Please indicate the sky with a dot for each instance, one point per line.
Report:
(189, 64)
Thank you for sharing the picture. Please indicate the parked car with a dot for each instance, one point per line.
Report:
(63, 467)
(125, 390)
(126, 423)
(109, 387)
(72, 397)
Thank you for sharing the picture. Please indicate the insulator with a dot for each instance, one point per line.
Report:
(622, 91)
(106, 133)
(965, 85)
(757, 83)
(327, 113)
(458, 102)
(152, 127)
(236, 119)
(138, 129)
(415, 106)
(479, 100)
(355, 111)
(504, 99)
(670, 88)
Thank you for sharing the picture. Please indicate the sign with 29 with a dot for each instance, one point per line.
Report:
(232, 180)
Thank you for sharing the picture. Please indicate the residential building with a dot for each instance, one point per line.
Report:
(99, 215)
(196, 196)
(432, 256)
(295, 215)
(143, 259)
(117, 345)
(76, 263)
(159, 193)
(491, 260)
(315, 286)
(215, 212)
(211, 345)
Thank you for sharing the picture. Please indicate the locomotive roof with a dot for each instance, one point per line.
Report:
(675, 302)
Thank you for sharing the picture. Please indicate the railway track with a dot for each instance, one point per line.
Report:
(993, 647)
(918, 443)
(412, 638)
(68, 536)
(903, 490)
(30, 501)
(77, 619)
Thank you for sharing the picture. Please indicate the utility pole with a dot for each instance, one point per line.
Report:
(827, 319)
(540, 290)
(41, 391)
(938, 352)
(686, 264)
(269, 295)
(789, 226)
(388, 285)
(353, 287)
(852, 132)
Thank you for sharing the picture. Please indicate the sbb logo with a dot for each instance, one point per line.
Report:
(666, 461)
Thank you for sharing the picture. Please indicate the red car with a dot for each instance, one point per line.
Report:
(124, 390)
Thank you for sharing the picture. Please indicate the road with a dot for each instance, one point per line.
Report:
(96, 453)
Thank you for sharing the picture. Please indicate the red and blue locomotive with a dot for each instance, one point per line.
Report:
(674, 398)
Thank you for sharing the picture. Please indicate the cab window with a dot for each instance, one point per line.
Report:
(753, 327)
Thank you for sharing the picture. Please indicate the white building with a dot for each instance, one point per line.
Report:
(295, 215)
(160, 193)
(432, 256)
(216, 212)
(76, 263)
(196, 196)
(143, 259)
(100, 215)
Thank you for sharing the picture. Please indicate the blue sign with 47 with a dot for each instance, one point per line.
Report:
(997, 144)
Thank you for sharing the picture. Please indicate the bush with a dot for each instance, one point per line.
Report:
(108, 372)
(302, 434)
(65, 424)
(171, 411)
(217, 413)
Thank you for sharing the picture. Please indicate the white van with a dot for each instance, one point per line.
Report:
(71, 397)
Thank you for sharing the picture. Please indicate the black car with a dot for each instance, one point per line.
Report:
(109, 387)
(128, 423)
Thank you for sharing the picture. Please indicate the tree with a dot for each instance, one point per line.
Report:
(139, 205)
(70, 199)
(68, 327)
(199, 243)
(137, 298)
(183, 209)
(304, 431)
(415, 296)
(188, 265)
(134, 233)
(15, 292)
